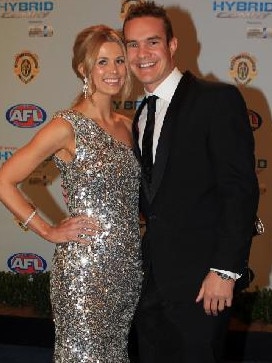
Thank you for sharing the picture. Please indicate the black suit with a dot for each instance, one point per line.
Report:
(201, 205)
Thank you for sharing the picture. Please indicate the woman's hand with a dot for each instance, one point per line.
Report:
(76, 229)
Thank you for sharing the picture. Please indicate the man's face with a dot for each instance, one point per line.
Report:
(149, 55)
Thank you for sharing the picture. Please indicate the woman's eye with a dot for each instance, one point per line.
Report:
(102, 62)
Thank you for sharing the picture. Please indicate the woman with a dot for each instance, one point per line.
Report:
(96, 269)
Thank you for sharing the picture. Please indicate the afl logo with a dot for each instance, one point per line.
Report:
(254, 119)
(25, 115)
(26, 263)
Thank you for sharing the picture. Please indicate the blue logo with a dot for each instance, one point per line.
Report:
(26, 115)
(6, 152)
(25, 9)
(242, 9)
(27, 263)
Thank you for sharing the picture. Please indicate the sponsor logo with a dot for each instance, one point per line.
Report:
(127, 105)
(259, 33)
(261, 163)
(27, 263)
(242, 9)
(26, 66)
(6, 152)
(40, 31)
(26, 115)
(243, 68)
(125, 5)
(254, 119)
(26, 9)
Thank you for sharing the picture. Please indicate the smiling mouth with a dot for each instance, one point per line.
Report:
(146, 65)
(111, 80)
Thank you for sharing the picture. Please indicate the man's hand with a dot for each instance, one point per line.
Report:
(216, 293)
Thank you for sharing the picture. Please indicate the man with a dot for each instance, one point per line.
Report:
(199, 200)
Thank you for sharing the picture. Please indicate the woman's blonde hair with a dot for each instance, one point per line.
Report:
(86, 48)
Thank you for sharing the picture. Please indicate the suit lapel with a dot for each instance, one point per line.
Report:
(167, 130)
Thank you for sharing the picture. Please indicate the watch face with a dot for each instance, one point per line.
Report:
(223, 276)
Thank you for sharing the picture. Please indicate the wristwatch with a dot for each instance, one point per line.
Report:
(223, 275)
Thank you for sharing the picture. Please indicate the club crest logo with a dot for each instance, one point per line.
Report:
(243, 68)
(26, 66)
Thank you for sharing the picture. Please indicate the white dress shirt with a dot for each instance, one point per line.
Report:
(165, 93)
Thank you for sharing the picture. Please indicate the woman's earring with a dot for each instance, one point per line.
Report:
(85, 87)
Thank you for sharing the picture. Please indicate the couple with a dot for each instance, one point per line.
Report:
(199, 202)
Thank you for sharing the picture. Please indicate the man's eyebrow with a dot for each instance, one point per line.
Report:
(155, 37)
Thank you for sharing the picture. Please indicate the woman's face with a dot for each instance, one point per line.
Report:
(109, 71)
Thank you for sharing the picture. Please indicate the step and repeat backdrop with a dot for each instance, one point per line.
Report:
(218, 40)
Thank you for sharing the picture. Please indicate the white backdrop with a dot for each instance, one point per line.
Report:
(224, 40)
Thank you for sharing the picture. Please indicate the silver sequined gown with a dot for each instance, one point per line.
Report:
(95, 287)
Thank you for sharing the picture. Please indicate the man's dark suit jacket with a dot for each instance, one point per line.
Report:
(201, 206)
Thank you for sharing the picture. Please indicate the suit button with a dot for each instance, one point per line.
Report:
(152, 217)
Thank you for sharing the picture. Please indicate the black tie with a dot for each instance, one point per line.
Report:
(147, 144)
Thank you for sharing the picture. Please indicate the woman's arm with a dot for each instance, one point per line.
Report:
(56, 137)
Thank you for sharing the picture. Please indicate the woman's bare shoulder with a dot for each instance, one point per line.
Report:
(124, 120)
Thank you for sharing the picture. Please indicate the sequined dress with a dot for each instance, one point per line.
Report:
(95, 287)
